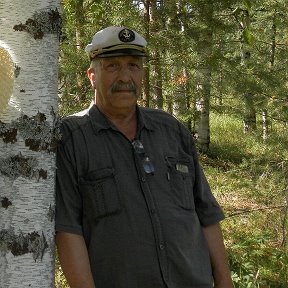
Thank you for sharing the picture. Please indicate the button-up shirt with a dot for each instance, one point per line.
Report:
(142, 228)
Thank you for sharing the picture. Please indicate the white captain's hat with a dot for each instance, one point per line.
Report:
(116, 41)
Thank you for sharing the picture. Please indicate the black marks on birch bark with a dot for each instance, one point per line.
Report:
(36, 131)
(18, 165)
(51, 213)
(8, 134)
(16, 70)
(22, 244)
(42, 22)
(5, 202)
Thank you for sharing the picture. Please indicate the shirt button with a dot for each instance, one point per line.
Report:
(161, 246)
(153, 211)
(143, 179)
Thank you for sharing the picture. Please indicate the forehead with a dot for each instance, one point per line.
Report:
(121, 59)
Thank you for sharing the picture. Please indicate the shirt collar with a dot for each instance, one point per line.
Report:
(100, 122)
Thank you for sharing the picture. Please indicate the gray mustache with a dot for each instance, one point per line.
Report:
(123, 87)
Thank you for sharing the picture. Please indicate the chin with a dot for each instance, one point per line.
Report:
(125, 103)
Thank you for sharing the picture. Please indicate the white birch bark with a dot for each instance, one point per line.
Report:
(27, 164)
(202, 123)
(249, 115)
(204, 70)
(265, 125)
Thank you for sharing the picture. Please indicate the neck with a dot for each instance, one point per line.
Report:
(124, 121)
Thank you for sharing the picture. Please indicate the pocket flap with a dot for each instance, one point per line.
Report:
(98, 174)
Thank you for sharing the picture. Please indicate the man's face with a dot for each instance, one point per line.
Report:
(117, 82)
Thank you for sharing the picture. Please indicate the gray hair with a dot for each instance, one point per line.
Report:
(95, 62)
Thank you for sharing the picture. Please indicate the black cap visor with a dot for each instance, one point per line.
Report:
(121, 52)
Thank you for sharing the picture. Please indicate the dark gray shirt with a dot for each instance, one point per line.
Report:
(142, 230)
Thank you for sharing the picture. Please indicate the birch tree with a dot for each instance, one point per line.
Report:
(30, 31)
(204, 70)
(249, 117)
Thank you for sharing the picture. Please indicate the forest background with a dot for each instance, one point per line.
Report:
(221, 68)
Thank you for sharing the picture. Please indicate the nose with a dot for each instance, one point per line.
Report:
(125, 73)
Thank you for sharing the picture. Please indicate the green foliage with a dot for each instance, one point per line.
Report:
(248, 36)
(243, 44)
(250, 180)
(247, 4)
(82, 18)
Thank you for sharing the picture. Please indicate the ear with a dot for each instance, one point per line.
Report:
(91, 76)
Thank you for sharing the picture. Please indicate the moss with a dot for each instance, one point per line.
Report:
(8, 133)
(45, 21)
(18, 165)
(36, 131)
(22, 244)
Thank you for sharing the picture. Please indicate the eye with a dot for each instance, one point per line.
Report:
(134, 66)
(112, 67)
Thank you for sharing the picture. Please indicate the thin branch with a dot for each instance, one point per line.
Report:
(245, 211)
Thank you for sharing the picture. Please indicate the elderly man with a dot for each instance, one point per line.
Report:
(134, 209)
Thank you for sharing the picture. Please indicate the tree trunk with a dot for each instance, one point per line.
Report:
(265, 123)
(158, 82)
(79, 20)
(146, 82)
(157, 76)
(273, 43)
(249, 118)
(202, 121)
(30, 32)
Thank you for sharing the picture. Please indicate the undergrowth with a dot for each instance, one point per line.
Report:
(250, 180)
(249, 177)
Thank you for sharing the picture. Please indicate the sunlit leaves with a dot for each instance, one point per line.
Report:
(248, 36)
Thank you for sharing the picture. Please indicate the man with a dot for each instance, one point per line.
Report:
(134, 209)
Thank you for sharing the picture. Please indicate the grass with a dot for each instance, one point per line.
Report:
(60, 280)
(250, 180)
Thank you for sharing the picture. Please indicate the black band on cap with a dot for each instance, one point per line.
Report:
(122, 52)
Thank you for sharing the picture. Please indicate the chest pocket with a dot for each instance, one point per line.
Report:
(100, 193)
(180, 176)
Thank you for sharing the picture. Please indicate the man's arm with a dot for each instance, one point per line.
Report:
(74, 260)
(221, 271)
